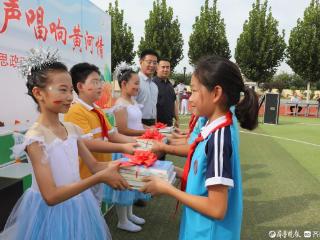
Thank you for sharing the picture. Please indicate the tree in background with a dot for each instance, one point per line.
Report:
(281, 81)
(260, 47)
(304, 45)
(162, 33)
(122, 41)
(296, 82)
(180, 77)
(209, 35)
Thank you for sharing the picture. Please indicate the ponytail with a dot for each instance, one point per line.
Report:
(247, 110)
(214, 70)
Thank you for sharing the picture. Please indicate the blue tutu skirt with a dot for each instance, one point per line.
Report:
(77, 218)
(125, 197)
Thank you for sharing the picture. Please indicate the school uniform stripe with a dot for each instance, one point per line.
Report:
(216, 153)
(221, 151)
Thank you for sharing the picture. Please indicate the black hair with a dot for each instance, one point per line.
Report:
(80, 73)
(148, 52)
(163, 59)
(38, 76)
(125, 75)
(214, 70)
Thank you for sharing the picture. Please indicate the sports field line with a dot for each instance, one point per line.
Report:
(308, 124)
(282, 138)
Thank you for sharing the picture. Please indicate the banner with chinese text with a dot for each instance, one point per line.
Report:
(80, 30)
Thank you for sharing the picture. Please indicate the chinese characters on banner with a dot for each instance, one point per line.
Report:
(81, 39)
(12, 12)
(7, 60)
(79, 30)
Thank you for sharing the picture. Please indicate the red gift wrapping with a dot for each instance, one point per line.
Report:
(152, 134)
(160, 125)
(140, 157)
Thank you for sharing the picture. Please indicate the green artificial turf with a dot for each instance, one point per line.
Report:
(281, 184)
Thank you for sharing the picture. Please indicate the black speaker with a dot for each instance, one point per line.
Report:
(271, 108)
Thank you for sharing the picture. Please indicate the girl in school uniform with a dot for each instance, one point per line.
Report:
(211, 188)
(59, 205)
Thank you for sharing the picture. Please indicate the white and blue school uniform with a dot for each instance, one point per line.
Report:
(197, 129)
(76, 218)
(215, 161)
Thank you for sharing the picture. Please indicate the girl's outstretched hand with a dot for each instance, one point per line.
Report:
(155, 186)
(112, 177)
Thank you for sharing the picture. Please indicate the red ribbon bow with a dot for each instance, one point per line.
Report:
(152, 134)
(160, 125)
(140, 157)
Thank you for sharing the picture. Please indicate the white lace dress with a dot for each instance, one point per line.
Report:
(133, 112)
(76, 218)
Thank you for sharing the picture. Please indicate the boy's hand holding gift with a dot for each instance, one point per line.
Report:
(129, 148)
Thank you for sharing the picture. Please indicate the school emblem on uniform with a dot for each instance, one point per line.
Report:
(195, 167)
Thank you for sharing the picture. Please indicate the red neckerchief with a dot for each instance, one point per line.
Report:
(192, 123)
(104, 129)
(199, 139)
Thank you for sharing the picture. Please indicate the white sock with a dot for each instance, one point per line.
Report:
(122, 214)
(134, 218)
(124, 223)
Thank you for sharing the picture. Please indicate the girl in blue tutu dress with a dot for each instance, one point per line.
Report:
(59, 205)
(129, 122)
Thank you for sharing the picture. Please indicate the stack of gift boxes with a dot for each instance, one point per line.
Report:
(135, 174)
(162, 169)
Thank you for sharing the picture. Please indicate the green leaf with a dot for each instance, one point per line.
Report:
(162, 33)
(260, 47)
(122, 40)
(304, 44)
(208, 36)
